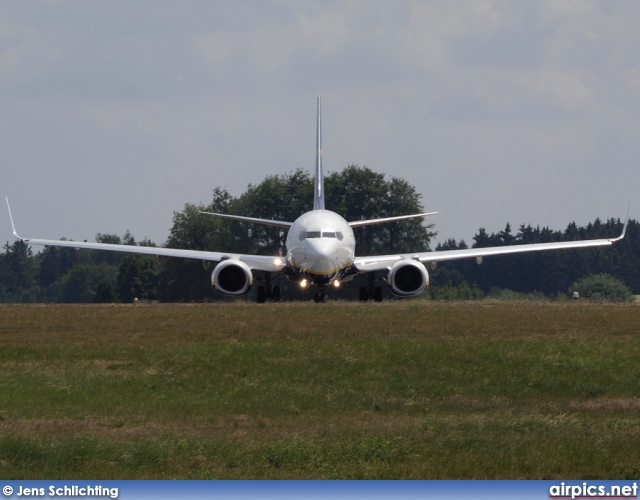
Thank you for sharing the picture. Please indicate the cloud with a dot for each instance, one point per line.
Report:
(25, 52)
(274, 44)
(179, 97)
(555, 89)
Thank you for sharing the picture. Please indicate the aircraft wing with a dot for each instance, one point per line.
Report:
(258, 262)
(383, 262)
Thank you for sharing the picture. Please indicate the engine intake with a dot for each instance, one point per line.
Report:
(408, 277)
(232, 277)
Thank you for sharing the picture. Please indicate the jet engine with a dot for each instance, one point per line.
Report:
(408, 277)
(232, 277)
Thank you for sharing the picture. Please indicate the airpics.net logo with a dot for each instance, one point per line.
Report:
(586, 490)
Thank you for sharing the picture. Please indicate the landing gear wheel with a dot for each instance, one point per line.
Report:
(267, 292)
(377, 294)
(363, 294)
(320, 297)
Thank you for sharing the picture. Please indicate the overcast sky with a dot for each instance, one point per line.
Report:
(114, 114)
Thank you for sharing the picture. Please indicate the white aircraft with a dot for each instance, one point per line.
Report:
(321, 252)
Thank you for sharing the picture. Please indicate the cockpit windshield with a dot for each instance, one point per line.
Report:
(320, 234)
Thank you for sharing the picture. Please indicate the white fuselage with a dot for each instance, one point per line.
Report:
(320, 247)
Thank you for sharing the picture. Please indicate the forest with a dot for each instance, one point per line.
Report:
(68, 275)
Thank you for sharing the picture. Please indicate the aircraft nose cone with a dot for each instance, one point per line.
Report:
(321, 247)
(322, 256)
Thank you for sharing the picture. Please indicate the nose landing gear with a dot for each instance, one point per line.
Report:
(320, 296)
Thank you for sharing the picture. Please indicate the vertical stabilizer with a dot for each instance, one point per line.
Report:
(318, 197)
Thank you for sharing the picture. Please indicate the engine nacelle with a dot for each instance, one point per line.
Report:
(232, 277)
(408, 277)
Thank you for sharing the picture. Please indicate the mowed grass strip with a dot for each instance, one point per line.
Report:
(407, 389)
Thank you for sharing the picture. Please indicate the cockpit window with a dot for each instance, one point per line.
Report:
(320, 234)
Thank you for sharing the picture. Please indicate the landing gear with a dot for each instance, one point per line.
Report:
(320, 296)
(365, 294)
(370, 292)
(265, 295)
(268, 292)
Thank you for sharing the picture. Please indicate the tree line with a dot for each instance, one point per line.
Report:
(69, 275)
(549, 273)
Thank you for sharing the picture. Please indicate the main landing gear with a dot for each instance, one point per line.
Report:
(268, 292)
(371, 292)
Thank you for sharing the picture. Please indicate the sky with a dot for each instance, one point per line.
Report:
(114, 114)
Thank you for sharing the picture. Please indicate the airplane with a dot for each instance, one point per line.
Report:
(321, 252)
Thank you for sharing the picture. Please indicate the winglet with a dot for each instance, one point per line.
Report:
(13, 226)
(624, 228)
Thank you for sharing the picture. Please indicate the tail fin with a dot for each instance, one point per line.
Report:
(318, 197)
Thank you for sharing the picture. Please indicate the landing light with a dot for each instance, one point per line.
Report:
(303, 284)
(278, 261)
(336, 283)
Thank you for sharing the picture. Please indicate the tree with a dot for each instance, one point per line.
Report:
(356, 193)
(17, 267)
(602, 287)
(183, 279)
(137, 278)
(81, 284)
(553, 272)
(112, 258)
(55, 262)
(104, 294)
(279, 197)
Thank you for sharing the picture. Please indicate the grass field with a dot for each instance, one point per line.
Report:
(406, 389)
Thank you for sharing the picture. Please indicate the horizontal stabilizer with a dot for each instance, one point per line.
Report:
(268, 222)
(370, 222)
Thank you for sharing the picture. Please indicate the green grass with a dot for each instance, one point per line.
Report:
(410, 389)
